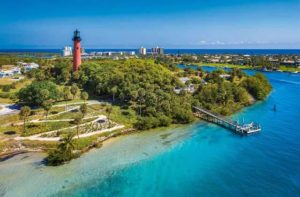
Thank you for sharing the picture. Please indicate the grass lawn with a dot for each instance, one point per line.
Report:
(6, 81)
(76, 100)
(126, 117)
(35, 128)
(225, 65)
(93, 110)
(19, 84)
(289, 69)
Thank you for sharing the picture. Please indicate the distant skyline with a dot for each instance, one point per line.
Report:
(219, 24)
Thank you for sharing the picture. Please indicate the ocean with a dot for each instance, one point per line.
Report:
(175, 51)
(200, 159)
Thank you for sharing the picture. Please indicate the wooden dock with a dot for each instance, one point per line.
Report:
(227, 123)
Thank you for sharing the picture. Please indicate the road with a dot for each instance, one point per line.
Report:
(6, 109)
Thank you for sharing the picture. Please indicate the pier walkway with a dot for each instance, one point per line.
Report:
(227, 123)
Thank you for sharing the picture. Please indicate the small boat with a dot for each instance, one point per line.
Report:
(274, 108)
(249, 128)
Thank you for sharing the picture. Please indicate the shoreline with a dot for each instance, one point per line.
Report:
(100, 141)
(104, 141)
(246, 67)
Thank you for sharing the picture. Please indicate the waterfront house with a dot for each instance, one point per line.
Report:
(288, 63)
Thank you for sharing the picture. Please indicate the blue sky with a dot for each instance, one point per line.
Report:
(167, 23)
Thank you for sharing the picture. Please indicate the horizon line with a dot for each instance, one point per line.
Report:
(154, 47)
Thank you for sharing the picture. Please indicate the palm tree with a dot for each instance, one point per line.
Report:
(114, 90)
(66, 95)
(66, 146)
(108, 111)
(77, 121)
(83, 109)
(84, 96)
(47, 105)
(24, 113)
(74, 90)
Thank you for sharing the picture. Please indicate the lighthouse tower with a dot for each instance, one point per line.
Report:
(77, 51)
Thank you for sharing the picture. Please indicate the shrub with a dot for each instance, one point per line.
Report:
(6, 88)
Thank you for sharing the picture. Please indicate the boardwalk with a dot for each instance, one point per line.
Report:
(227, 123)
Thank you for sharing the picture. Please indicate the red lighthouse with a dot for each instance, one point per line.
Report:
(77, 51)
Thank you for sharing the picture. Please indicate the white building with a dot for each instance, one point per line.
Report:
(143, 51)
(132, 53)
(10, 72)
(67, 51)
(29, 66)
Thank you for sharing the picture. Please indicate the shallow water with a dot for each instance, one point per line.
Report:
(196, 160)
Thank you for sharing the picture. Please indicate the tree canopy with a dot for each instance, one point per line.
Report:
(37, 92)
(144, 86)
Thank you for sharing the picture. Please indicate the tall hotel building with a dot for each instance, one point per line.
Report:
(143, 51)
(157, 51)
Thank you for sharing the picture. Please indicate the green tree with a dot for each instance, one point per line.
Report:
(44, 94)
(78, 121)
(35, 93)
(24, 114)
(22, 70)
(114, 90)
(66, 95)
(39, 75)
(84, 109)
(141, 99)
(47, 105)
(109, 110)
(258, 86)
(63, 152)
(74, 90)
(84, 96)
(64, 76)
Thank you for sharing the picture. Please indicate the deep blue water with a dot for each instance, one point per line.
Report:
(201, 159)
(177, 51)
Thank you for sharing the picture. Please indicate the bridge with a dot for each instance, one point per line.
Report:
(227, 123)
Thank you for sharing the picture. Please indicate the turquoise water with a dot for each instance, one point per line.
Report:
(196, 160)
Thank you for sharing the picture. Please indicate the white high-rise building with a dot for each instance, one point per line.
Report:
(67, 51)
(143, 51)
(157, 51)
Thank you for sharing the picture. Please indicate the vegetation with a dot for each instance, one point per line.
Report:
(37, 92)
(226, 96)
(84, 96)
(47, 105)
(24, 113)
(83, 109)
(63, 152)
(148, 89)
(143, 86)
(258, 86)
(140, 94)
